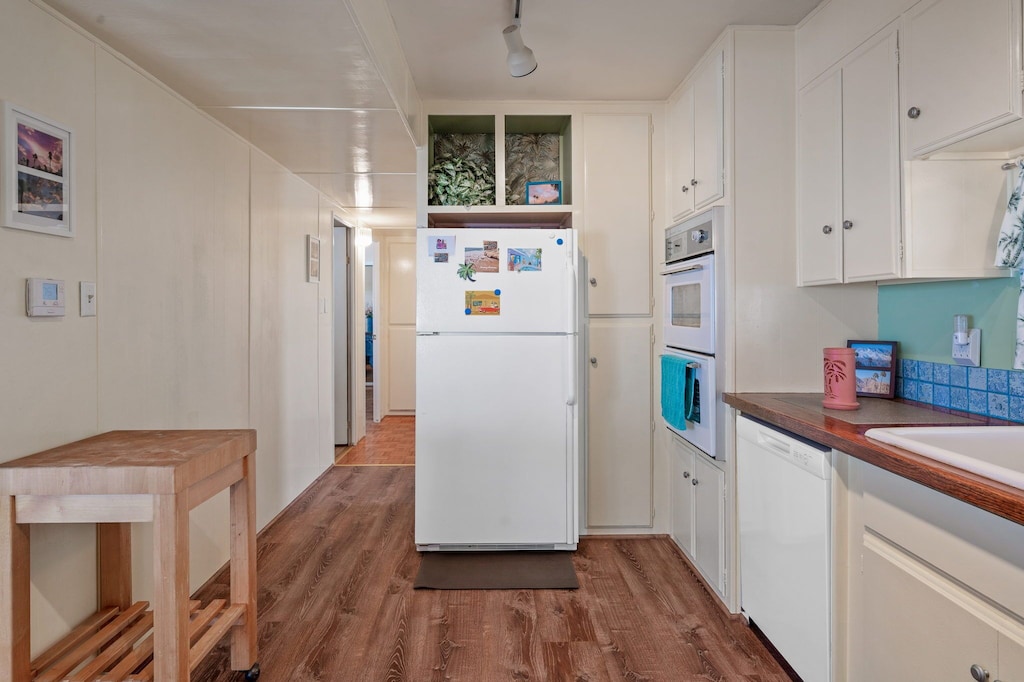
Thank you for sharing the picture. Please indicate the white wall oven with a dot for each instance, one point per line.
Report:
(689, 287)
(689, 386)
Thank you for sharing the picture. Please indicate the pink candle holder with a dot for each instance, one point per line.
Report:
(840, 379)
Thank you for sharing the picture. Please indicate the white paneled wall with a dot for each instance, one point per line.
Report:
(173, 280)
(284, 336)
(48, 370)
(206, 320)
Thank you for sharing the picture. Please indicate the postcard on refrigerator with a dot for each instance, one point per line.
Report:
(483, 303)
(440, 247)
(524, 260)
(483, 259)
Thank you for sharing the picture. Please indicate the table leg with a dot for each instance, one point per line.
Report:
(114, 552)
(170, 601)
(15, 641)
(243, 565)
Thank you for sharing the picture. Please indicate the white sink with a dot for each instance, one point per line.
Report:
(996, 452)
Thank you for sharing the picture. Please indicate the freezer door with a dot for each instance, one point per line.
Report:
(524, 280)
(495, 453)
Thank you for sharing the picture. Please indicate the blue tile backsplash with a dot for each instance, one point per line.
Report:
(988, 392)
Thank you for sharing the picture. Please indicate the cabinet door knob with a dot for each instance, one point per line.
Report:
(593, 281)
(695, 481)
(826, 229)
(686, 474)
(693, 182)
(913, 112)
(593, 361)
(847, 224)
(685, 188)
(979, 673)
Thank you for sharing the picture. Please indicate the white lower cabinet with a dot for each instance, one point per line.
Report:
(698, 511)
(934, 586)
(620, 448)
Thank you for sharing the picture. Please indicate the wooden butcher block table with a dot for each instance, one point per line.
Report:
(113, 480)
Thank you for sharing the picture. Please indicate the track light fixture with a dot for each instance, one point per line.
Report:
(521, 61)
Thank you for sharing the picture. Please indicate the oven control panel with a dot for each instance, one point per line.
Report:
(684, 242)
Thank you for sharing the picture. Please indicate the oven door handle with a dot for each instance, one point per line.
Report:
(688, 268)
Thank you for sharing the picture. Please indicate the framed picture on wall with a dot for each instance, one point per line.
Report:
(36, 173)
(875, 367)
(312, 258)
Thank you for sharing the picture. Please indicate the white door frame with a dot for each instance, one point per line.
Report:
(375, 250)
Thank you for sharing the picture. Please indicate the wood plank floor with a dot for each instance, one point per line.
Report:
(392, 442)
(336, 603)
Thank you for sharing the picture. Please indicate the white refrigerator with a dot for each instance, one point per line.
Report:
(497, 389)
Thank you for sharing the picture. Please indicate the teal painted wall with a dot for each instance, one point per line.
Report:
(920, 317)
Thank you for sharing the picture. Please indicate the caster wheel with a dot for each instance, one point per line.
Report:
(253, 673)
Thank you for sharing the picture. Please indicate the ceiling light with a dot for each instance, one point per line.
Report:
(521, 61)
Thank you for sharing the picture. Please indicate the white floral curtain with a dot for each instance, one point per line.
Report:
(1010, 254)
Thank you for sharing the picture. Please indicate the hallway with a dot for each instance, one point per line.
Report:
(336, 601)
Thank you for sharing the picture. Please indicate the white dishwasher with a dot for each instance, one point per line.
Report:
(784, 494)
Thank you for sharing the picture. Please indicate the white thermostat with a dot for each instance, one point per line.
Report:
(44, 297)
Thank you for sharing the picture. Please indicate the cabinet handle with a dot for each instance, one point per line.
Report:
(827, 229)
(695, 481)
(694, 182)
(913, 112)
(593, 361)
(685, 188)
(847, 224)
(593, 281)
(686, 474)
(979, 673)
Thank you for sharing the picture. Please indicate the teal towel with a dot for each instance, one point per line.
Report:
(673, 391)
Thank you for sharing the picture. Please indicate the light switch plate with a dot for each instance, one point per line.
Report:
(969, 353)
(87, 303)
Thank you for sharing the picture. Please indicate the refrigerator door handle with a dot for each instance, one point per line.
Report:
(570, 370)
(572, 285)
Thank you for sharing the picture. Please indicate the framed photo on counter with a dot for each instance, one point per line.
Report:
(875, 368)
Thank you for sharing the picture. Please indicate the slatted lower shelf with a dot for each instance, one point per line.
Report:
(116, 645)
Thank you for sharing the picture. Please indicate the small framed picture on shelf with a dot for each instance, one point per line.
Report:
(546, 192)
(875, 368)
(36, 172)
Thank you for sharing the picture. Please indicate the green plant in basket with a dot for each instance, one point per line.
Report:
(455, 181)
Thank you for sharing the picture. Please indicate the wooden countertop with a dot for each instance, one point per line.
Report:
(127, 462)
(802, 414)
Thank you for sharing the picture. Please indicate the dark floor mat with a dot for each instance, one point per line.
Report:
(525, 570)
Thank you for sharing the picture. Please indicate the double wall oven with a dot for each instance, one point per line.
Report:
(689, 381)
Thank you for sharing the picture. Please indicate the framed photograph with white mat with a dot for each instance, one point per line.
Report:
(36, 193)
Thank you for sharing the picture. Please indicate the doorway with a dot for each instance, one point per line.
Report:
(342, 357)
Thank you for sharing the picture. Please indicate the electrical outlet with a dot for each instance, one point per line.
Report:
(969, 353)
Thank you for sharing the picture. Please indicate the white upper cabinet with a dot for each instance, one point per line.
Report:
(848, 168)
(617, 204)
(820, 181)
(961, 70)
(696, 118)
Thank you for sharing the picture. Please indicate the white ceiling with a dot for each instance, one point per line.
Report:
(585, 49)
(299, 79)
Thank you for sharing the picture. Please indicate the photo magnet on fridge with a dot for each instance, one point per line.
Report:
(439, 248)
(483, 303)
(524, 260)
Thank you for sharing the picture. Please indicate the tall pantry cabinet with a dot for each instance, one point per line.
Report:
(769, 331)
